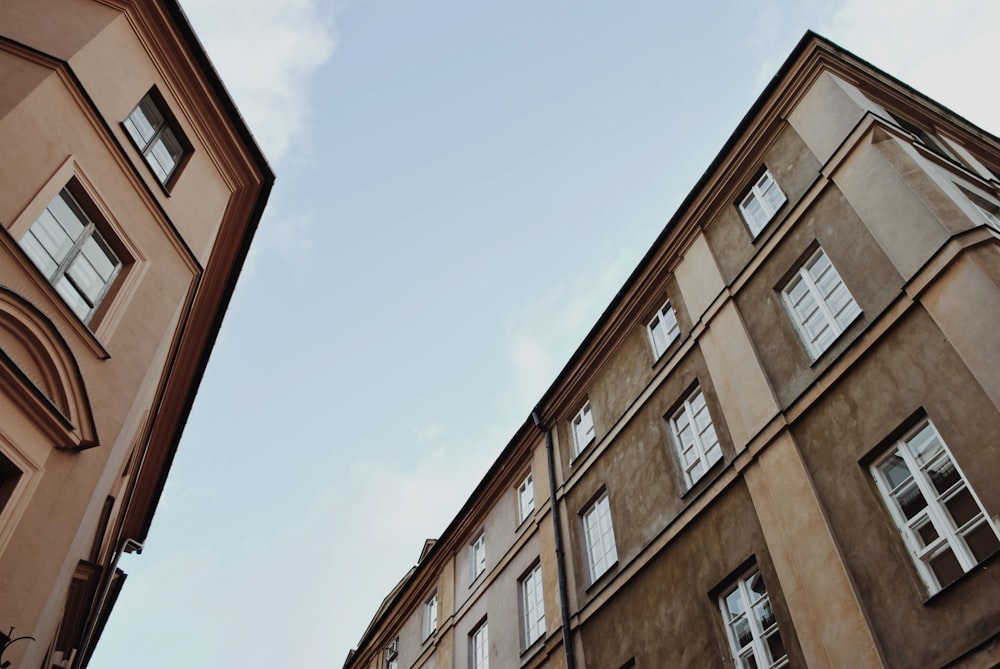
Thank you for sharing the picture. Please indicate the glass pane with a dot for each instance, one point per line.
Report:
(748, 661)
(69, 217)
(982, 541)
(72, 297)
(155, 166)
(924, 444)
(85, 278)
(776, 646)
(101, 258)
(741, 628)
(945, 567)
(925, 532)
(910, 501)
(734, 603)
(52, 236)
(962, 507)
(943, 474)
(38, 254)
(894, 470)
(756, 585)
(764, 614)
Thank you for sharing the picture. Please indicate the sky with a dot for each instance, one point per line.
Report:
(462, 188)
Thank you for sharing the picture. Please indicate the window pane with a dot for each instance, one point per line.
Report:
(85, 278)
(52, 236)
(894, 470)
(910, 501)
(70, 218)
(982, 541)
(945, 567)
(38, 254)
(101, 258)
(776, 646)
(72, 297)
(925, 532)
(741, 628)
(734, 603)
(943, 474)
(962, 507)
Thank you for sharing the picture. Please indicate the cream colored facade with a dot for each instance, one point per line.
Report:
(131, 190)
(885, 232)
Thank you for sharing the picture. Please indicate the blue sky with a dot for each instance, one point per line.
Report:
(462, 188)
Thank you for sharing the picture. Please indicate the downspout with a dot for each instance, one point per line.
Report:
(128, 546)
(567, 633)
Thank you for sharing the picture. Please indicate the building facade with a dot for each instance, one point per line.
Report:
(131, 189)
(777, 446)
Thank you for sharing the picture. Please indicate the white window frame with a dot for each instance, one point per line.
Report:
(392, 654)
(157, 137)
(602, 552)
(694, 437)
(743, 591)
(477, 555)
(533, 605)
(525, 498)
(663, 329)
(583, 428)
(822, 286)
(759, 204)
(931, 532)
(479, 647)
(68, 261)
(430, 616)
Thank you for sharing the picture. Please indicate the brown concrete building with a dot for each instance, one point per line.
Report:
(130, 191)
(778, 445)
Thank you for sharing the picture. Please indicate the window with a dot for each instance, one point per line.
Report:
(694, 437)
(941, 521)
(663, 329)
(819, 303)
(989, 210)
(430, 615)
(479, 646)
(752, 631)
(157, 136)
(583, 428)
(392, 654)
(67, 248)
(600, 536)
(533, 605)
(525, 498)
(761, 203)
(478, 555)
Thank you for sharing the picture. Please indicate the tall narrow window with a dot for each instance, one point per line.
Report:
(694, 437)
(750, 625)
(430, 615)
(819, 303)
(525, 498)
(392, 654)
(942, 522)
(477, 555)
(479, 647)
(761, 203)
(600, 536)
(67, 248)
(583, 428)
(663, 329)
(533, 605)
(157, 136)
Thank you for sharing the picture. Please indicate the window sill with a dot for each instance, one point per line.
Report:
(582, 451)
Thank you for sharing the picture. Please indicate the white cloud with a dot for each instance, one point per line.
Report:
(265, 52)
(946, 50)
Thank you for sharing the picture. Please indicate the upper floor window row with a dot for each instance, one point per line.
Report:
(66, 246)
(158, 137)
(759, 205)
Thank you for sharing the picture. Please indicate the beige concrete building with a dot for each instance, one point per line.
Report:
(131, 189)
(778, 446)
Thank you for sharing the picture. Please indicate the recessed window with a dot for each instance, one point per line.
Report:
(158, 136)
(583, 428)
(990, 210)
(942, 522)
(600, 537)
(392, 654)
(525, 498)
(819, 303)
(477, 556)
(533, 605)
(759, 205)
(67, 248)
(479, 647)
(663, 329)
(430, 615)
(752, 631)
(694, 437)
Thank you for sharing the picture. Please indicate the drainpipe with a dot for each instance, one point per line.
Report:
(128, 546)
(567, 633)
